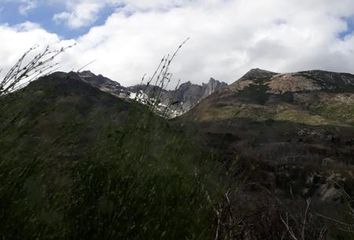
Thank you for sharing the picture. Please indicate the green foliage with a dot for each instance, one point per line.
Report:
(255, 92)
(339, 112)
(299, 116)
(80, 164)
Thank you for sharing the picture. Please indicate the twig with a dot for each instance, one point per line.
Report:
(88, 64)
(21, 74)
(308, 204)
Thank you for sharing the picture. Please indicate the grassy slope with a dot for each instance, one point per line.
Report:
(77, 163)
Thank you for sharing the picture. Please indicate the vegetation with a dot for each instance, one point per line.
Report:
(77, 163)
(339, 112)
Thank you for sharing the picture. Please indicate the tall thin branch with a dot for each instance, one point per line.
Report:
(28, 69)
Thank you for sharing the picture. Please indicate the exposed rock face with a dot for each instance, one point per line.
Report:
(284, 83)
(181, 100)
(102, 83)
(189, 94)
(213, 86)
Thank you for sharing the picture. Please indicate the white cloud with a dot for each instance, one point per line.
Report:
(15, 40)
(26, 6)
(157, 4)
(80, 15)
(228, 37)
(83, 13)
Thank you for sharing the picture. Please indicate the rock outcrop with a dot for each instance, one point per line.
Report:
(180, 100)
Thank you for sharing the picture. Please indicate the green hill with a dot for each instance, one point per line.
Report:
(78, 163)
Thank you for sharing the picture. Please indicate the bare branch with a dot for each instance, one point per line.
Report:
(28, 69)
(286, 224)
(86, 65)
(308, 204)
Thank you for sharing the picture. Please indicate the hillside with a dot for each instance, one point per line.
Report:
(312, 97)
(289, 134)
(79, 163)
(311, 110)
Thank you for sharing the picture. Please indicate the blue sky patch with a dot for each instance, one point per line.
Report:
(350, 30)
(43, 15)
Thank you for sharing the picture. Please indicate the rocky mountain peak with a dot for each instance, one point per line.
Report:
(103, 83)
(213, 86)
(185, 85)
(96, 80)
(185, 97)
(257, 74)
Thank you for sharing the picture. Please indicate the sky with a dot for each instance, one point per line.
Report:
(125, 39)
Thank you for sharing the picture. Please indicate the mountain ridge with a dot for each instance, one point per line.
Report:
(310, 80)
(180, 100)
(311, 97)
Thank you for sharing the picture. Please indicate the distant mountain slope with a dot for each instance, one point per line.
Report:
(314, 80)
(180, 100)
(310, 97)
(285, 127)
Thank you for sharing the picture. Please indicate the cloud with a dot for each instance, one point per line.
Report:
(157, 4)
(15, 40)
(26, 6)
(81, 15)
(228, 37)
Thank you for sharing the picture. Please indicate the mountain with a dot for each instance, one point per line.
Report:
(289, 135)
(312, 109)
(190, 94)
(82, 159)
(80, 163)
(314, 80)
(180, 100)
(103, 83)
(309, 97)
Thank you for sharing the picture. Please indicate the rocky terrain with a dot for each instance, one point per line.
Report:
(178, 101)
(278, 83)
(310, 97)
(103, 83)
